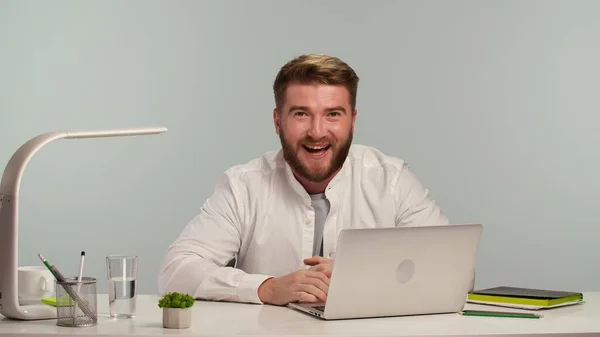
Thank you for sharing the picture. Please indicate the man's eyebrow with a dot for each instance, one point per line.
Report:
(301, 107)
(297, 107)
(337, 108)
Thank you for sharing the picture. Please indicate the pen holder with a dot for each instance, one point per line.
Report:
(76, 302)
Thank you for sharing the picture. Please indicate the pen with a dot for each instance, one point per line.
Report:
(499, 314)
(60, 278)
(80, 271)
(80, 275)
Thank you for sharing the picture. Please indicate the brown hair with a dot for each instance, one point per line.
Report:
(315, 68)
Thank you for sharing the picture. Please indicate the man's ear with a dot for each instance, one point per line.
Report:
(354, 118)
(276, 120)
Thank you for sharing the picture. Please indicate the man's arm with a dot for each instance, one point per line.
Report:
(414, 205)
(195, 263)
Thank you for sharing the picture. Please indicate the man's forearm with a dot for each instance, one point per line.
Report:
(203, 279)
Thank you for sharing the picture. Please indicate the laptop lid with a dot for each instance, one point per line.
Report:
(402, 271)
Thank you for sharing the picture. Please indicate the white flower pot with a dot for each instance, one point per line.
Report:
(177, 318)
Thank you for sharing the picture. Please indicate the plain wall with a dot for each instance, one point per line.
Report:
(494, 104)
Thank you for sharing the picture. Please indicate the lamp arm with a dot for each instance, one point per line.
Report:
(9, 210)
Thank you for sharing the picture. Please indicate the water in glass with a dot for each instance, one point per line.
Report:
(121, 297)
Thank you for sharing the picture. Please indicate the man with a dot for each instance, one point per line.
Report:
(282, 212)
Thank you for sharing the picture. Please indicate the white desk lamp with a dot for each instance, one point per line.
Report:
(9, 203)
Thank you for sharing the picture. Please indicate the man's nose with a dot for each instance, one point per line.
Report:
(316, 130)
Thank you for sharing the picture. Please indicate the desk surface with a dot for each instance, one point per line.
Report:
(229, 319)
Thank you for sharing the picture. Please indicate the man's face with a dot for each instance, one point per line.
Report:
(315, 126)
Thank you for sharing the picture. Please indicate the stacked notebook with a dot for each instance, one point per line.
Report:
(524, 298)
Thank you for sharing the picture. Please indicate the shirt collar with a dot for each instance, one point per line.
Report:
(299, 189)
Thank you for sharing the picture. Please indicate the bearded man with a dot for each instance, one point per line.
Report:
(278, 216)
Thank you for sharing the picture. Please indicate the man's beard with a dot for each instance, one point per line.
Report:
(339, 154)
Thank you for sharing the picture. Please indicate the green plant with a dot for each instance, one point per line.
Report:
(176, 300)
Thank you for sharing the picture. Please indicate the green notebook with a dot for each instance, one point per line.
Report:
(49, 300)
(525, 296)
(63, 302)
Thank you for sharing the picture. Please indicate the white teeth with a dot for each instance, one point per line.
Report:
(316, 147)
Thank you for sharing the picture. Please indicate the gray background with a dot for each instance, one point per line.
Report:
(493, 103)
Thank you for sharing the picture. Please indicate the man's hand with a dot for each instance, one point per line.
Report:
(301, 286)
(318, 263)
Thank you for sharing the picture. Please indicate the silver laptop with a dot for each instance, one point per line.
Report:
(400, 271)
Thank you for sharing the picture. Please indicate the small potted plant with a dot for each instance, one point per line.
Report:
(177, 310)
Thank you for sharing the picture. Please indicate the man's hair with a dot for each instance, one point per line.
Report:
(315, 69)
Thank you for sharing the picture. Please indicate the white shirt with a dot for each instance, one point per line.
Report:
(260, 214)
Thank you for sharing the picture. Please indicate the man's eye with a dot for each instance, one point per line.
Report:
(300, 113)
(334, 113)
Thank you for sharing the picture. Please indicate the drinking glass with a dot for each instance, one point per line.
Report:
(122, 276)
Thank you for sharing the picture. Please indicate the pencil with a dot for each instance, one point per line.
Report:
(499, 314)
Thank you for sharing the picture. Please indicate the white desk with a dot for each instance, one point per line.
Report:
(230, 319)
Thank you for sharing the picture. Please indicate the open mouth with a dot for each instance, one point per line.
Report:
(316, 150)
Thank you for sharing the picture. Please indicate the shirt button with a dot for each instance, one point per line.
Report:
(308, 222)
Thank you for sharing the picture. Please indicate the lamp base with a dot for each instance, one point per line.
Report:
(34, 312)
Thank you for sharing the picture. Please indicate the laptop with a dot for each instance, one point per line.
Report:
(399, 271)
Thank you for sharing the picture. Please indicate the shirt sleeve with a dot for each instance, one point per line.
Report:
(195, 263)
(414, 205)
